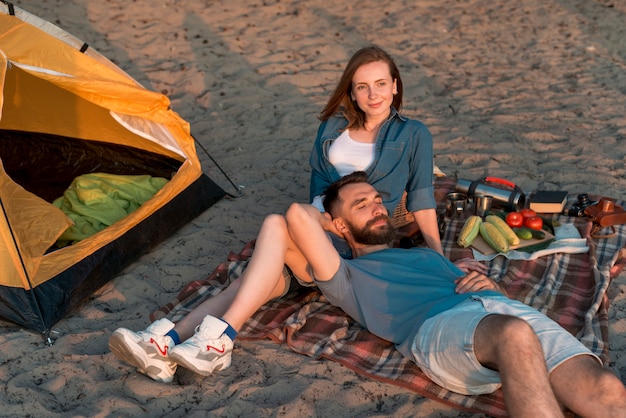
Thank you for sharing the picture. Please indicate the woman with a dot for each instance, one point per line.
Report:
(362, 130)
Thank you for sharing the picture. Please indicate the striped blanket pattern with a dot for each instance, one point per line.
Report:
(570, 288)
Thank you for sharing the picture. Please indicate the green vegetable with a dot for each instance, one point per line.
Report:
(469, 231)
(504, 229)
(492, 236)
(538, 234)
(523, 233)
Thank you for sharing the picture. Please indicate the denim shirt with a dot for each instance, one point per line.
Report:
(403, 161)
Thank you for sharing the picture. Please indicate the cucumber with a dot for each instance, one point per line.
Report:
(538, 234)
(523, 233)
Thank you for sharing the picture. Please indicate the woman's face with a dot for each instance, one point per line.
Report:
(373, 90)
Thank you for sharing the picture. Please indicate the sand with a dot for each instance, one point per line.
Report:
(530, 91)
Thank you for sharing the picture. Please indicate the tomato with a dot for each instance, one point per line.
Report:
(527, 213)
(533, 222)
(514, 219)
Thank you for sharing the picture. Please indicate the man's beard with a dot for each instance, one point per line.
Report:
(369, 236)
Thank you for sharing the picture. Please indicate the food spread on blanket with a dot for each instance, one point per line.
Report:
(501, 232)
(97, 200)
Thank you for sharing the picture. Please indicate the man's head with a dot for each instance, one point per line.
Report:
(358, 211)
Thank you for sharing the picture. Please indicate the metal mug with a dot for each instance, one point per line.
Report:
(482, 204)
(455, 205)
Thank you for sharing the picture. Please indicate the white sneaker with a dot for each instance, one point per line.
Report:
(209, 349)
(146, 350)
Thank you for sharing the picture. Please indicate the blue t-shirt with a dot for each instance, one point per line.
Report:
(393, 291)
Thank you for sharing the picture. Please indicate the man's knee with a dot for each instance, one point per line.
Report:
(505, 328)
(503, 335)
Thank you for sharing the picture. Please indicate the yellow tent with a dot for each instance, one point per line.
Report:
(65, 111)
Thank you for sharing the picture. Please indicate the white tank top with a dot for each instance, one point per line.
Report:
(348, 155)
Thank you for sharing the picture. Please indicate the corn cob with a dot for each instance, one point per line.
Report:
(469, 231)
(504, 229)
(492, 236)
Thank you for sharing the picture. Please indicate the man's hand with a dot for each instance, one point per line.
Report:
(474, 282)
(469, 264)
(306, 226)
(328, 225)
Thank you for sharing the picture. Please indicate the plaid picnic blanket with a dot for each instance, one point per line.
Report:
(570, 288)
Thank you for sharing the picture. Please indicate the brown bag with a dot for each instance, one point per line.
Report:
(605, 214)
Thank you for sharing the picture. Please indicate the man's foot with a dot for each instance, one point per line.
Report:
(209, 349)
(146, 350)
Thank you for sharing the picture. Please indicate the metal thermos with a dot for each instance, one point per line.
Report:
(506, 195)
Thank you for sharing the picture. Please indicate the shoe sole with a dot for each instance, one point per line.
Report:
(133, 354)
(182, 361)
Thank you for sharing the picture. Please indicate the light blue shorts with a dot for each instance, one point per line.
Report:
(444, 345)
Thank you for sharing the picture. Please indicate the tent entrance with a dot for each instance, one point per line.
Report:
(46, 164)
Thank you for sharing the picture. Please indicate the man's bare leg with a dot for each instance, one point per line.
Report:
(509, 345)
(588, 389)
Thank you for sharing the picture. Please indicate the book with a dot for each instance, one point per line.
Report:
(548, 201)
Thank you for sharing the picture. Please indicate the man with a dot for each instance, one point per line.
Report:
(462, 332)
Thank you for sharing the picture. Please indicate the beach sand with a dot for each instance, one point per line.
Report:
(530, 91)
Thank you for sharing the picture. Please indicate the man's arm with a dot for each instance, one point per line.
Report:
(307, 228)
(475, 281)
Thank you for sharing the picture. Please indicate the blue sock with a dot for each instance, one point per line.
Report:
(174, 336)
(229, 331)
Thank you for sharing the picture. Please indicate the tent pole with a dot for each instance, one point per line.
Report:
(219, 168)
(10, 6)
